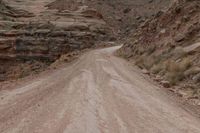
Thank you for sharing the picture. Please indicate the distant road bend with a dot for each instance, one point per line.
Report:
(98, 93)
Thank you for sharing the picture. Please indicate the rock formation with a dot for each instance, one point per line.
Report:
(47, 34)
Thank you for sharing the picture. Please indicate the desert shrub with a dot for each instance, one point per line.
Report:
(157, 58)
(145, 62)
(157, 68)
(120, 53)
(196, 91)
(185, 64)
(140, 62)
(174, 77)
(149, 62)
(175, 70)
(172, 66)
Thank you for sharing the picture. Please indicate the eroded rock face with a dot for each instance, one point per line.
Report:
(123, 15)
(40, 34)
(48, 43)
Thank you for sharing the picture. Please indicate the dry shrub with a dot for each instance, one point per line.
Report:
(120, 53)
(140, 62)
(174, 77)
(145, 62)
(185, 64)
(171, 66)
(196, 91)
(175, 70)
(157, 68)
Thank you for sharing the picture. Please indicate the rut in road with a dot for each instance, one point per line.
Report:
(99, 93)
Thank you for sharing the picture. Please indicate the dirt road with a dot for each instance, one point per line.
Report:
(99, 93)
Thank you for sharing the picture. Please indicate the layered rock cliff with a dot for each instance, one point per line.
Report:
(37, 33)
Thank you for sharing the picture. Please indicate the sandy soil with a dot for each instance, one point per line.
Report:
(99, 93)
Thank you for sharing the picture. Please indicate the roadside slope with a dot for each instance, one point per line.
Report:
(168, 46)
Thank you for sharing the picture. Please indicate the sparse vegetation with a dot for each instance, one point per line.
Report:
(145, 62)
(174, 71)
(157, 68)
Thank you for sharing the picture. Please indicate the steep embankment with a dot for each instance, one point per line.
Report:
(169, 46)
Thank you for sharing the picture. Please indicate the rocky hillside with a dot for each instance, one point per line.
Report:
(168, 46)
(33, 36)
(122, 16)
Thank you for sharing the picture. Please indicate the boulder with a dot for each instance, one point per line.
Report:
(179, 38)
(182, 93)
(145, 71)
(192, 48)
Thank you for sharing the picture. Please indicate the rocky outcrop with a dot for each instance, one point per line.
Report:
(122, 15)
(45, 35)
(45, 44)
(8, 11)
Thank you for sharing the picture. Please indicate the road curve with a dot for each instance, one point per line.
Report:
(99, 93)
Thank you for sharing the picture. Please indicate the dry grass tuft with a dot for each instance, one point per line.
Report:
(157, 68)
(175, 70)
(145, 62)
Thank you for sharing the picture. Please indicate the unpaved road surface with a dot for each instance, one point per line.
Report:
(99, 93)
